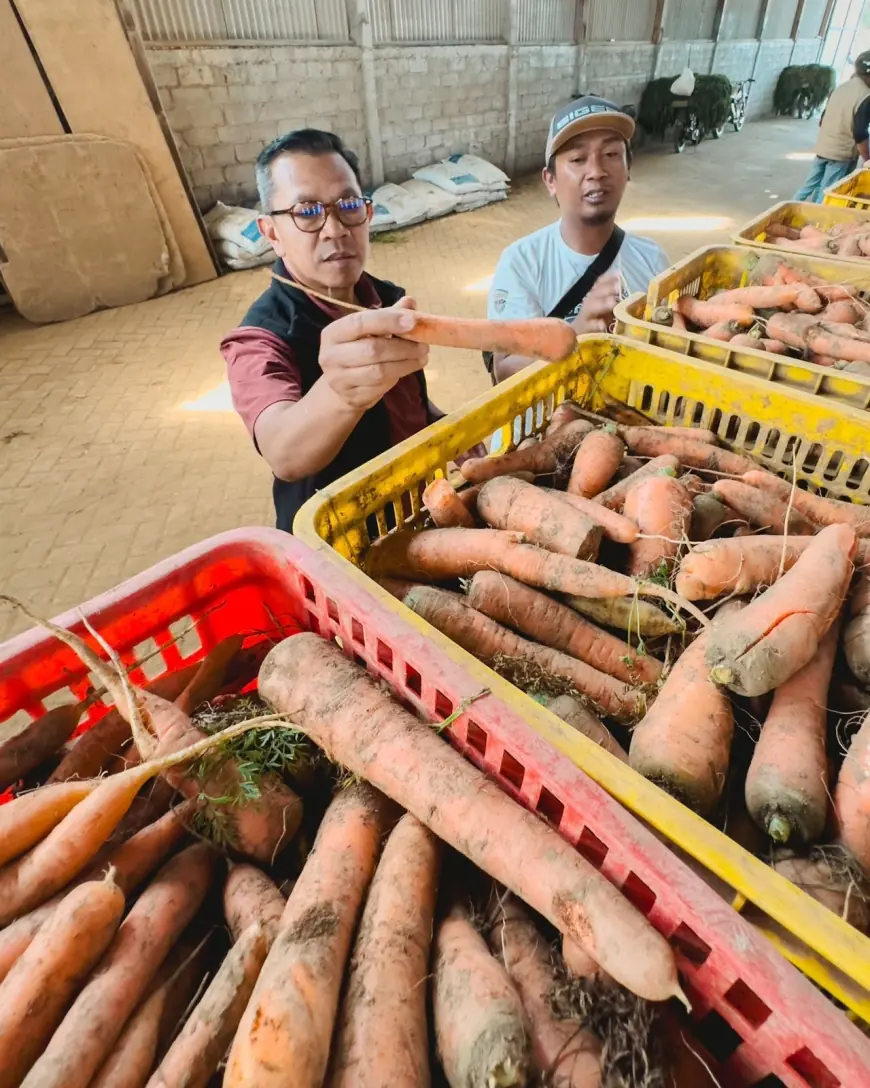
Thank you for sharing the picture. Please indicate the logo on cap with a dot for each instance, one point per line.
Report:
(583, 111)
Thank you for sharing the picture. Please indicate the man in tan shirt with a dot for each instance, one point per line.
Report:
(842, 133)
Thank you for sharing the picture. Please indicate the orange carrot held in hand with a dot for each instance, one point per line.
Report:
(852, 797)
(541, 459)
(599, 456)
(780, 632)
(787, 781)
(762, 509)
(554, 624)
(487, 640)
(445, 506)
(615, 526)
(534, 338)
(480, 1025)
(289, 1021)
(614, 497)
(344, 711)
(710, 313)
(572, 712)
(651, 442)
(662, 510)
(739, 565)
(541, 516)
(36, 992)
(817, 508)
(382, 1036)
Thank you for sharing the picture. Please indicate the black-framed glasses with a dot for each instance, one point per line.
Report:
(311, 215)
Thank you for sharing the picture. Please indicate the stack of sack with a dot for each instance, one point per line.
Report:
(396, 207)
(237, 238)
(473, 181)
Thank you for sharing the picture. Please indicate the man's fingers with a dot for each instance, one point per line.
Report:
(407, 303)
(373, 350)
(390, 321)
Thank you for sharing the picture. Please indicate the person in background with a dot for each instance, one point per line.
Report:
(579, 267)
(842, 134)
(320, 389)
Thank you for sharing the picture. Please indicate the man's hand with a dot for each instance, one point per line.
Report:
(596, 313)
(362, 356)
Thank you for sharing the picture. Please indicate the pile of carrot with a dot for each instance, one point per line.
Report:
(384, 916)
(841, 240)
(699, 617)
(784, 311)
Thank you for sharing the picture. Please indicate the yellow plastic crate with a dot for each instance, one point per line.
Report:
(719, 268)
(851, 192)
(794, 214)
(779, 427)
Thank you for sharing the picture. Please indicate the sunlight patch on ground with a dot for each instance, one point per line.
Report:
(801, 156)
(479, 286)
(215, 400)
(678, 224)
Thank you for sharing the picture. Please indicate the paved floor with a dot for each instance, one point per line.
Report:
(117, 444)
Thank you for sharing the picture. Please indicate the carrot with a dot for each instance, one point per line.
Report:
(776, 347)
(678, 322)
(746, 340)
(486, 639)
(31, 816)
(599, 456)
(541, 516)
(568, 1055)
(614, 497)
(821, 510)
(381, 1036)
(708, 515)
(556, 625)
(662, 509)
(541, 459)
(726, 331)
(397, 587)
(566, 412)
(841, 311)
(740, 565)
(781, 230)
(196, 1053)
(823, 342)
(209, 677)
(766, 298)
(344, 711)
(787, 781)
(852, 797)
(480, 1025)
(651, 442)
(251, 898)
(791, 329)
(289, 1020)
(762, 509)
(445, 506)
(614, 525)
(629, 614)
(823, 360)
(710, 313)
(856, 637)
(35, 993)
(575, 714)
(152, 802)
(780, 632)
(534, 337)
(24, 750)
(828, 883)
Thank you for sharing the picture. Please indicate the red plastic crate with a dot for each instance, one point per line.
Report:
(761, 1023)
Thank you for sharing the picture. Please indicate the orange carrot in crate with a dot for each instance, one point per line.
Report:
(787, 781)
(817, 508)
(481, 1031)
(772, 298)
(615, 526)
(599, 456)
(445, 506)
(823, 342)
(289, 1021)
(35, 993)
(710, 313)
(739, 565)
(614, 497)
(762, 509)
(791, 329)
(575, 714)
(251, 897)
(345, 712)
(841, 311)
(662, 510)
(568, 1055)
(486, 639)
(651, 442)
(381, 1036)
(541, 459)
(856, 637)
(209, 677)
(852, 797)
(541, 516)
(26, 819)
(780, 632)
(554, 624)
(726, 331)
(566, 412)
(24, 750)
(687, 756)
(96, 1018)
(534, 337)
(708, 515)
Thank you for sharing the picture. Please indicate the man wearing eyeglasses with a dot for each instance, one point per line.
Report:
(320, 387)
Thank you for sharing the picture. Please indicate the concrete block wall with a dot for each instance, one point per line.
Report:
(773, 56)
(546, 78)
(619, 70)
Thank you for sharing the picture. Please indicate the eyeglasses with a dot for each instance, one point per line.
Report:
(310, 215)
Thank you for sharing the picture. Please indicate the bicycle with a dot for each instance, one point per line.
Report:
(687, 126)
(737, 107)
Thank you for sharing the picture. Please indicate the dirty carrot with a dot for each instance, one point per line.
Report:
(739, 565)
(615, 526)
(817, 508)
(541, 516)
(662, 510)
(614, 497)
(28, 818)
(650, 442)
(541, 458)
(251, 897)
(762, 509)
(630, 614)
(381, 1036)
(554, 624)
(852, 797)
(486, 639)
(445, 506)
(344, 711)
(289, 1021)
(575, 714)
(208, 679)
(599, 456)
(823, 342)
(787, 780)
(534, 338)
(708, 515)
(35, 993)
(791, 329)
(710, 313)
(725, 331)
(24, 750)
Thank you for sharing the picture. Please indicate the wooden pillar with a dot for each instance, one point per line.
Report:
(798, 16)
(580, 44)
(360, 24)
(659, 21)
(763, 17)
(718, 19)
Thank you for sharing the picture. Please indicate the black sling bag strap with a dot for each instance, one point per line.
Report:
(577, 292)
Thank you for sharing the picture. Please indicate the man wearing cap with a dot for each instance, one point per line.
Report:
(842, 133)
(579, 267)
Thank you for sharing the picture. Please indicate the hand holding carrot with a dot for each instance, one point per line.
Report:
(596, 313)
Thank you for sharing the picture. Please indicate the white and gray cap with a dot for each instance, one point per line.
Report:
(585, 115)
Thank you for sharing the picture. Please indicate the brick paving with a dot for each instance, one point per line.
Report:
(117, 447)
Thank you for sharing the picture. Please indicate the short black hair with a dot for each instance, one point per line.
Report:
(307, 141)
(551, 162)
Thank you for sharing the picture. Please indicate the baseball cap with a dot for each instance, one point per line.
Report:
(862, 63)
(585, 115)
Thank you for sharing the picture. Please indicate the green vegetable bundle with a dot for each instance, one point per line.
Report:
(816, 81)
(711, 101)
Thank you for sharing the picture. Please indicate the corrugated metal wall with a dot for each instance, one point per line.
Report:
(689, 20)
(438, 20)
(629, 21)
(780, 18)
(811, 20)
(545, 21)
(741, 19)
(241, 20)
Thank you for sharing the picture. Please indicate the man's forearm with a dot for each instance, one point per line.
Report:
(505, 366)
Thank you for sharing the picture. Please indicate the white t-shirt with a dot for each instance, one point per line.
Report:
(535, 272)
